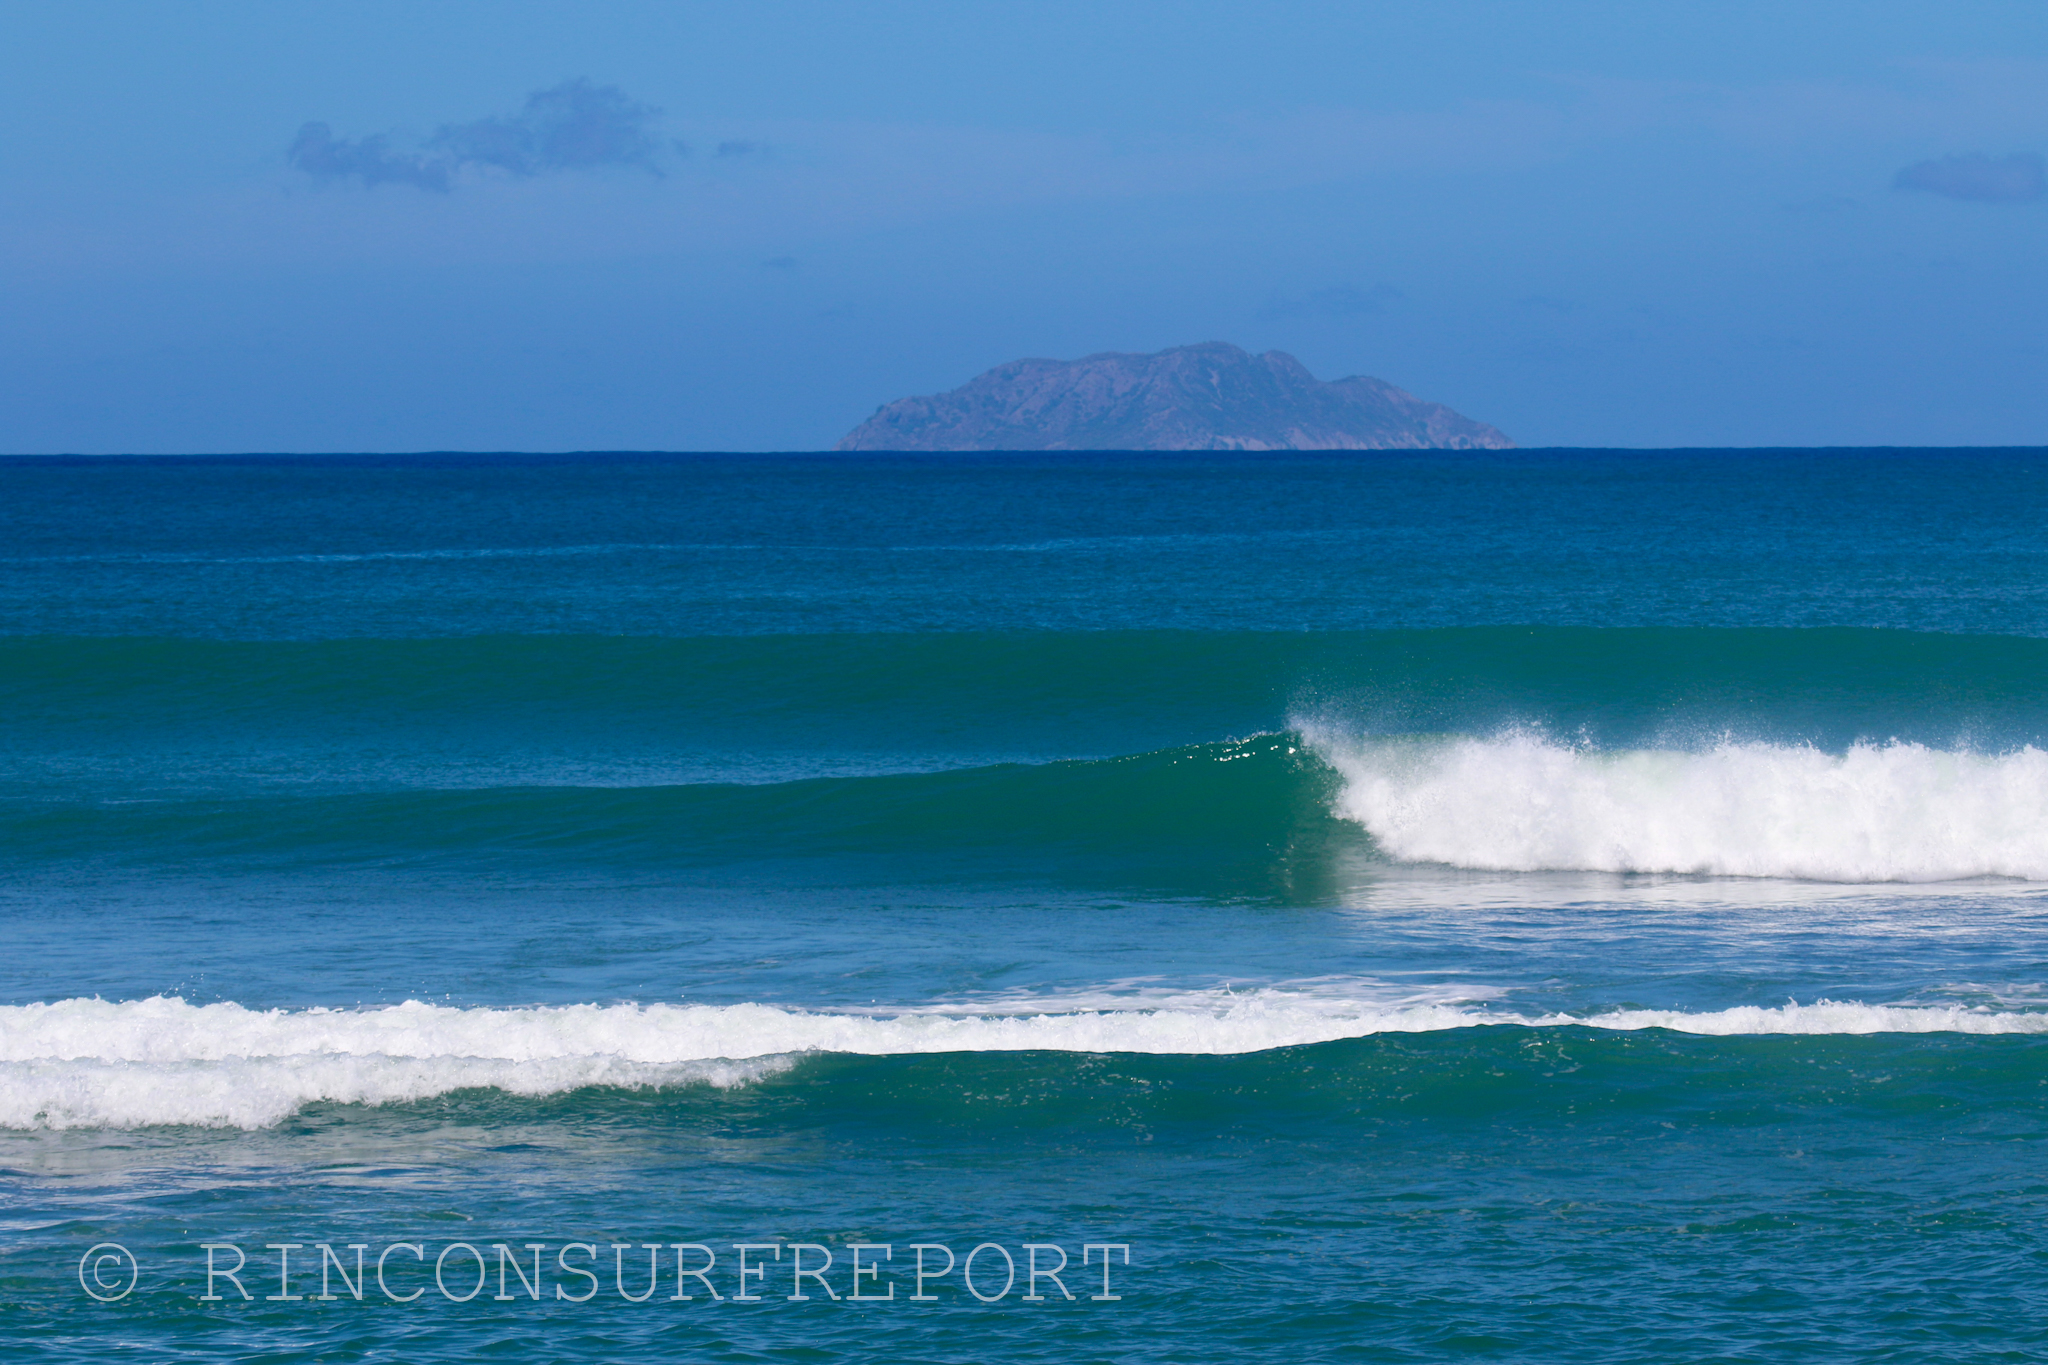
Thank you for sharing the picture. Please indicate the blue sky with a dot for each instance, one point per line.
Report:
(744, 226)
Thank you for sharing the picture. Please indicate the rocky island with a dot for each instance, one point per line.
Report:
(1214, 396)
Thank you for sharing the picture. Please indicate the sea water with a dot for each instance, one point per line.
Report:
(1537, 906)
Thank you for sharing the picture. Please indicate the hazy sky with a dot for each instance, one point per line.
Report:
(365, 226)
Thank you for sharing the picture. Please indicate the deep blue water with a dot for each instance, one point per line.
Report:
(1543, 906)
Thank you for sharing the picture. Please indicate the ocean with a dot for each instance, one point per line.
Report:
(1556, 906)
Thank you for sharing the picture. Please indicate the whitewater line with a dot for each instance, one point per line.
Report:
(163, 1061)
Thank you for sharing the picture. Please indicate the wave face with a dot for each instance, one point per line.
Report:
(1275, 813)
(418, 712)
(1217, 813)
(1844, 755)
(164, 1061)
(1891, 812)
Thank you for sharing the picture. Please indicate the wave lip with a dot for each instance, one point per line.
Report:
(164, 1061)
(1523, 802)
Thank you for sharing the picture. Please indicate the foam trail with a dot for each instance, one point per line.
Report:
(1524, 803)
(105, 1064)
(1820, 1017)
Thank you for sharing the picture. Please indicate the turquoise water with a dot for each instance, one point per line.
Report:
(1561, 906)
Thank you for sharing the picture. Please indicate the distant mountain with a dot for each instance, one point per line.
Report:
(1207, 397)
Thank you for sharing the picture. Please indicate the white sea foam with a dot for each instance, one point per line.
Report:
(163, 1061)
(1524, 803)
(255, 1092)
(1822, 1016)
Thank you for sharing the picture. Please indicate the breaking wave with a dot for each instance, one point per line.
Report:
(90, 1063)
(1525, 802)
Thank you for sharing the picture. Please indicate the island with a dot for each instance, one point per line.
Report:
(1213, 396)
